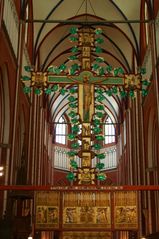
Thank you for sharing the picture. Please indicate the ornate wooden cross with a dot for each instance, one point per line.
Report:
(87, 80)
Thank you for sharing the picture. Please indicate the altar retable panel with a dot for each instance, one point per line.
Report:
(66, 210)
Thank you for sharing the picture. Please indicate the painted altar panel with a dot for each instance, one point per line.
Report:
(86, 209)
(47, 210)
(125, 210)
(86, 235)
(104, 210)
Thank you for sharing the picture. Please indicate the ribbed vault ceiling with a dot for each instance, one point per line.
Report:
(52, 45)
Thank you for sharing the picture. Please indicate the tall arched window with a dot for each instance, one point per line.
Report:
(146, 24)
(26, 24)
(109, 131)
(61, 131)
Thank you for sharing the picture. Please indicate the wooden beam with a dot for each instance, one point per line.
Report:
(80, 188)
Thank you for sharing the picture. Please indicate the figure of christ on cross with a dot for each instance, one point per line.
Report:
(88, 106)
(86, 111)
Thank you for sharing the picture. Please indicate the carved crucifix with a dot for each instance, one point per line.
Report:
(86, 81)
(86, 107)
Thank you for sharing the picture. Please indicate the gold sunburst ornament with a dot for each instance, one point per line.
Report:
(133, 81)
(39, 79)
(86, 176)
